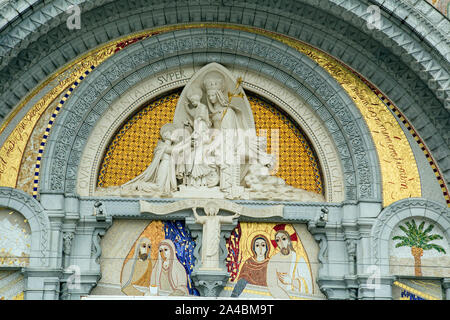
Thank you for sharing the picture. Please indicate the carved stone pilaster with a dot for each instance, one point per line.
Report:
(317, 229)
(446, 286)
(323, 253)
(96, 249)
(351, 251)
(209, 282)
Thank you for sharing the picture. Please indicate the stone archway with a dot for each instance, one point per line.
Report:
(121, 64)
(417, 19)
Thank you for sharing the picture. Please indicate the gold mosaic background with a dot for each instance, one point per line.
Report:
(131, 150)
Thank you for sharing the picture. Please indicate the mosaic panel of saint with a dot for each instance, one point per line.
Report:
(141, 258)
(268, 260)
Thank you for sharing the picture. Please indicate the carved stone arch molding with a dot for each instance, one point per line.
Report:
(131, 100)
(392, 215)
(38, 220)
(407, 58)
(171, 50)
(414, 18)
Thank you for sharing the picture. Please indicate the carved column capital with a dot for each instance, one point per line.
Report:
(210, 283)
(67, 242)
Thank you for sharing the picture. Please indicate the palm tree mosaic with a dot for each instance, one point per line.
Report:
(418, 239)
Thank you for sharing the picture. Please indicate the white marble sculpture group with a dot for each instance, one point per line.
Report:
(211, 149)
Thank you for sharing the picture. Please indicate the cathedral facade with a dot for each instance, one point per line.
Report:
(218, 148)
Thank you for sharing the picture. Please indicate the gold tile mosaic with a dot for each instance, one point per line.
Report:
(297, 163)
(130, 151)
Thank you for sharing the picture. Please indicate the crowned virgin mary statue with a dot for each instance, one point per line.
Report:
(211, 149)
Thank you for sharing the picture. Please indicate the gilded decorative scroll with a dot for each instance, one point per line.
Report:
(400, 175)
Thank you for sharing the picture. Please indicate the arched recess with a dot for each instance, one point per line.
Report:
(407, 57)
(397, 212)
(39, 223)
(174, 49)
(131, 100)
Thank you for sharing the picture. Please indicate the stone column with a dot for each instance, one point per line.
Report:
(67, 246)
(43, 282)
(54, 206)
(446, 286)
(364, 249)
(71, 218)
